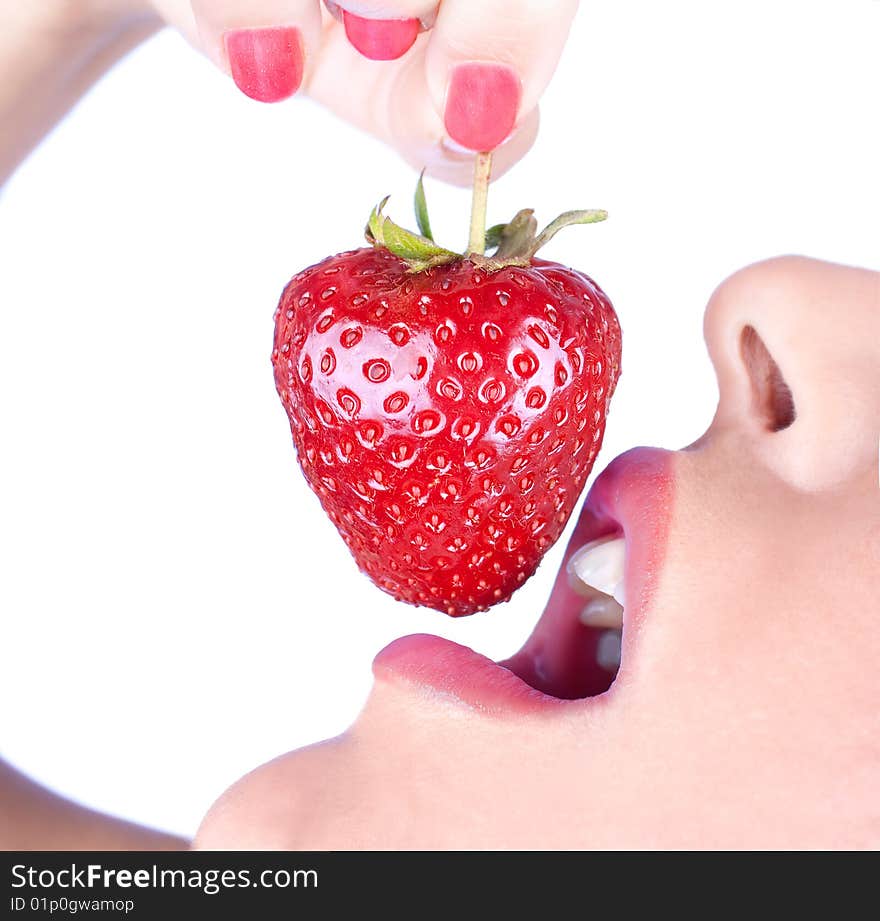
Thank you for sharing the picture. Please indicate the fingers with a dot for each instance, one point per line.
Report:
(473, 81)
(266, 45)
(392, 102)
(418, 132)
(459, 76)
(488, 63)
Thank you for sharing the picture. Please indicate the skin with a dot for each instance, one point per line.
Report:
(745, 713)
(55, 50)
(52, 53)
(34, 818)
(747, 694)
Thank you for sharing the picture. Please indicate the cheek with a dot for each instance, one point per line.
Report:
(737, 591)
(760, 644)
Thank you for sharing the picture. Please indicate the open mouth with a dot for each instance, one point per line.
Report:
(590, 625)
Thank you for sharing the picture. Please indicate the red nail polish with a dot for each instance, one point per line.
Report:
(482, 104)
(266, 64)
(380, 39)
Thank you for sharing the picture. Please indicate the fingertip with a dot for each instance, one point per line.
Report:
(517, 145)
(450, 162)
(482, 103)
(268, 47)
(488, 63)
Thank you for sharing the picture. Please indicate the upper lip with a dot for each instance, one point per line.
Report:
(631, 498)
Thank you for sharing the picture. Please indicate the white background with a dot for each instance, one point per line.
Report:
(175, 607)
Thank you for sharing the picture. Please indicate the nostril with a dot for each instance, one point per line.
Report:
(773, 400)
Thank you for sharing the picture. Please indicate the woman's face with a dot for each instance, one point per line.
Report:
(746, 708)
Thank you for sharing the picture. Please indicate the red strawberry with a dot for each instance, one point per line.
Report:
(447, 417)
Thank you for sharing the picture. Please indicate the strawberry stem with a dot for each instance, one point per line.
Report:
(482, 173)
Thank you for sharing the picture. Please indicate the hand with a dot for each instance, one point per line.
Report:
(453, 76)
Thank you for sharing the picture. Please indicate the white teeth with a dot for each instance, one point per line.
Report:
(608, 650)
(596, 571)
(599, 567)
(602, 611)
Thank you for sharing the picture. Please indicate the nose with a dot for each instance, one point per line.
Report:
(796, 348)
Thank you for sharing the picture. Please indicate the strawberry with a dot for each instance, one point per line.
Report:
(447, 409)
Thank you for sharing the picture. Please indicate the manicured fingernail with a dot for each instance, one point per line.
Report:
(266, 64)
(481, 104)
(456, 150)
(380, 39)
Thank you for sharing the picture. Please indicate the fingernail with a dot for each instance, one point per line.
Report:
(451, 147)
(482, 104)
(266, 64)
(380, 39)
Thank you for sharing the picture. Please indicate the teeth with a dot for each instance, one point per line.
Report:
(602, 611)
(608, 650)
(598, 567)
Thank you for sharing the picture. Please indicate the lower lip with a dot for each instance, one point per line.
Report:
(632, 497)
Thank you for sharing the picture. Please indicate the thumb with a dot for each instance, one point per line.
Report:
(488, 63)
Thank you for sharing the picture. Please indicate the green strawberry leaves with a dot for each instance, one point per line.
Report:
(566, 220)
(421, 252)
(516, 237)
(421, 206)
(513, 243)
(493, 236)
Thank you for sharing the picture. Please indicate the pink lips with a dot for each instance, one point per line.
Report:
(633, 498)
